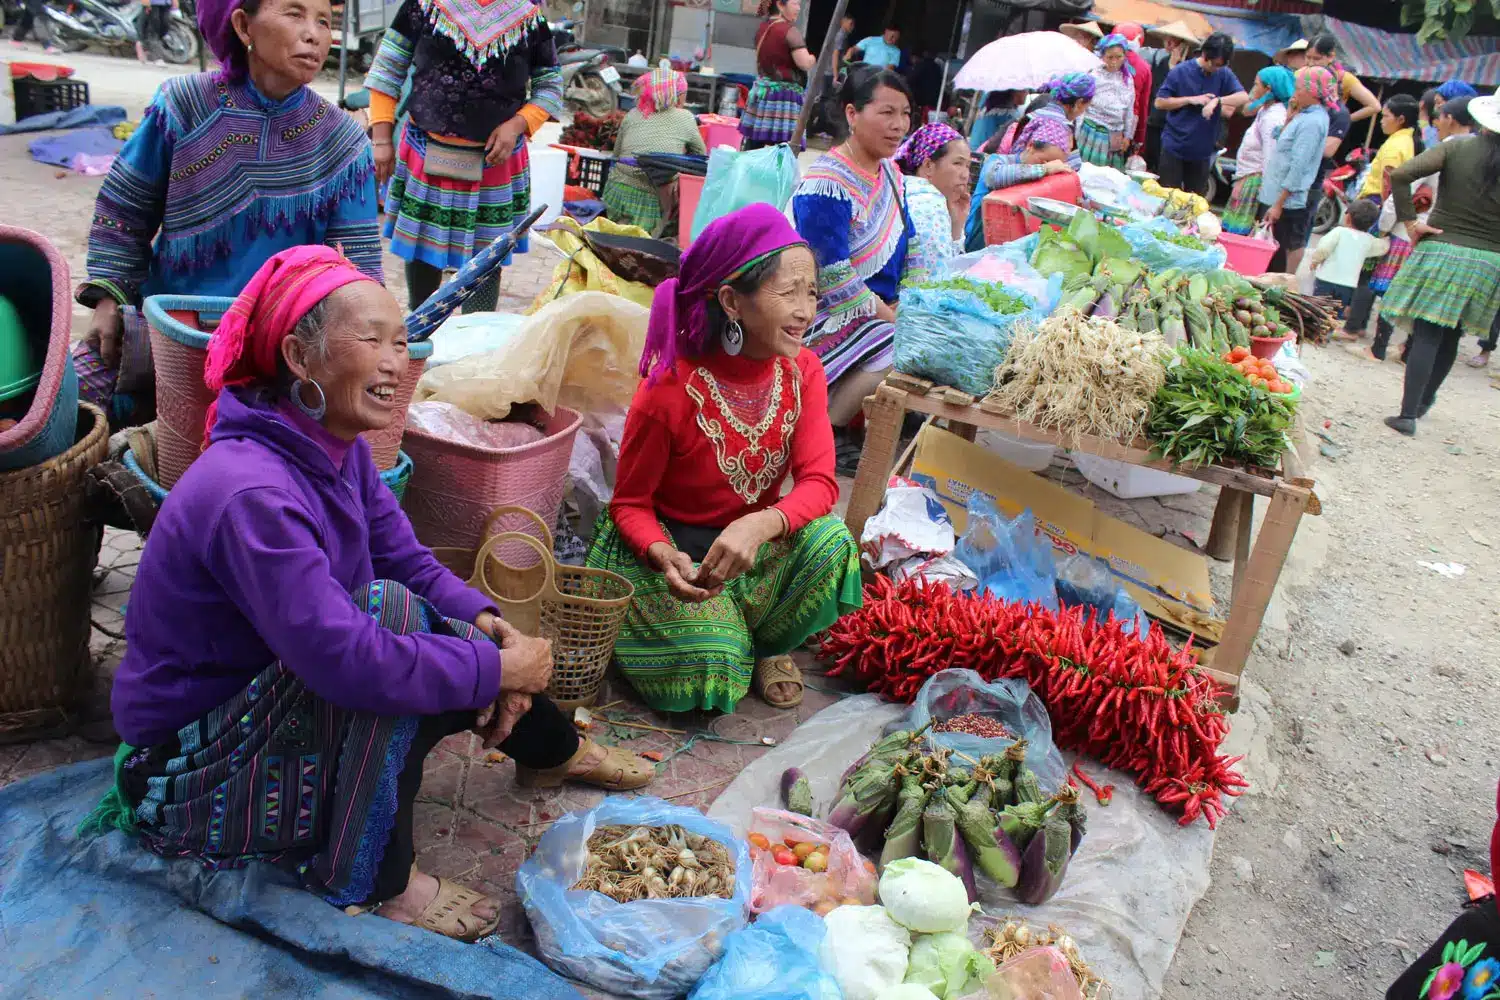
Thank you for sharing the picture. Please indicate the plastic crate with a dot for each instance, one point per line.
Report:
(593, 170)
(39, 97)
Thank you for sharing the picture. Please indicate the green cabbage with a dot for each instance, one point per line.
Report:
(907, 991)
(924, 897)
(948, 965)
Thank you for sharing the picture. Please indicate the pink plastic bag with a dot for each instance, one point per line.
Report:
(1035, 974)
(849, 878)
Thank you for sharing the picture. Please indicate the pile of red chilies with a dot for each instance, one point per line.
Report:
(1134, 704)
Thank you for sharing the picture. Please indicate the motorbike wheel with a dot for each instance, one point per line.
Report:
(1327, 217)
(180, 44)
(66, 40)
(588, 92)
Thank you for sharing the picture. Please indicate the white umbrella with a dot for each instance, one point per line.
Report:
(1024, 62)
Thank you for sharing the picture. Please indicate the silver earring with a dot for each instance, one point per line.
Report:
(313, 412)
(734, 338)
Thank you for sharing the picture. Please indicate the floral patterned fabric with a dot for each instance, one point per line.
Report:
(1463, 964)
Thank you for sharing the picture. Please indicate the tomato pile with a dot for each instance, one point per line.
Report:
(793, 853)
(1134, 704)
(1258, 370)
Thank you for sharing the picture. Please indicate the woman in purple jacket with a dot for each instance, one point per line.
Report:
(294, 652)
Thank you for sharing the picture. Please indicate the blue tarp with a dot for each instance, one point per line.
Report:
(62, 149)
(106, 918)
(80, 117)
(1268, 33)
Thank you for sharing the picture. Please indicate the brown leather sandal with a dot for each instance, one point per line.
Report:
(451, 913)
(778, 670)
(617, 771)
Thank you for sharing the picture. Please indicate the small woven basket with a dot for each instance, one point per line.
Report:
(578, 608)
(179, 349)
(47, 556)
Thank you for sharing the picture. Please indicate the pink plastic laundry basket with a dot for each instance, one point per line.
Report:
(455, 486)
(1247, 255)
(180, 326)
(385, 445)
(34, 277)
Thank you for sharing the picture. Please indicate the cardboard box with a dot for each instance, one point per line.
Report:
(1171, 583)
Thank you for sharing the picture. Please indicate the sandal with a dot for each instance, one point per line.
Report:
(778, 670)
(1480, 360)
(451, 913)
(617, 770)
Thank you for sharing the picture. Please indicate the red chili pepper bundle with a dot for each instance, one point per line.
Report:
(1133, 703)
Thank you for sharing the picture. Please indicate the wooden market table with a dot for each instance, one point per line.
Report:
(1256, 569)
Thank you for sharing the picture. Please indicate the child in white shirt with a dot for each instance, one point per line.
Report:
(1340, 256)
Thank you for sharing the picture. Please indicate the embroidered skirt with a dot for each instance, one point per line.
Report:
(1093, 146)
(1446, 285)
(1463, 963)
(864, 343)
(1244, 205)
(771, 111)
(444, 222)
(1390, 266)
(279, 774)
(682, 656)
(628, 202)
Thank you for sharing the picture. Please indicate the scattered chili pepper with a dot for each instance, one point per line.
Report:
(1133, 703)
(975, 725)
(1105, 795)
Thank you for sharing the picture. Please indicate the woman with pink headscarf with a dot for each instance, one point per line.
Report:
(293, 651)
(731, 573)
(657, 124)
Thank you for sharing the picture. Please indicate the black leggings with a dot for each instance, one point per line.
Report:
(422, 280)
(1428, 361)
(543, 738)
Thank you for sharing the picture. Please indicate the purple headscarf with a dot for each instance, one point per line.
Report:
(923, 144)
(1071, 87)
(213, 24)
(726, 247)
(1116, 41)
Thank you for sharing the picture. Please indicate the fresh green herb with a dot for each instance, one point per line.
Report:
(991, 294)
(1205, 414)
(1182, 240)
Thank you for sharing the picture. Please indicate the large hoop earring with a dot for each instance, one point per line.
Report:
(734, 338)
(313, 412)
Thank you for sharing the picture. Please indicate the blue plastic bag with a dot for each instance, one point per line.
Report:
(1088, 580)
(1009, 701)
(1159, 255)
(655, 949)
(776, 958)
(1012, 560)
(736, 179)
(954, 338)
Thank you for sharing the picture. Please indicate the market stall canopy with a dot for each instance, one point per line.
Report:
(1071, 8)
(1388, 55)
(1267, 33)
(1024, 62)
(1149, 15)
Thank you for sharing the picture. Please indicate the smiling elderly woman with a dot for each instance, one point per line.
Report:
(294, 653)
(730, 575)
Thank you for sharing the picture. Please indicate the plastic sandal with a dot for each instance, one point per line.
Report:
(778, 670)
(451, 913)
(617, 771)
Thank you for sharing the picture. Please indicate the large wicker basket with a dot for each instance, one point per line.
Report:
(580, 609)
(455, 486)
(47, 555)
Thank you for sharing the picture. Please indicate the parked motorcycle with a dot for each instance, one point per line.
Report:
(590, 81)
(1340, 188)
(76, 24)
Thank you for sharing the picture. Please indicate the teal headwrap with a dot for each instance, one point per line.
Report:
(1279, 81)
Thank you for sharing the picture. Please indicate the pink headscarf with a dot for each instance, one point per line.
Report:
(659, 90)
(727, 247)
(245, 347)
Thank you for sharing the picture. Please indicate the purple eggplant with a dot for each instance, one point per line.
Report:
(992, 850)
(1105, 308)
(943, 844)
(1045, 861)
(796, 792)
(868, 796)
(903, 838)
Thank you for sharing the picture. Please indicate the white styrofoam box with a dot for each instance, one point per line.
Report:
(549, 174)
(1131, 482)
(1029, 455)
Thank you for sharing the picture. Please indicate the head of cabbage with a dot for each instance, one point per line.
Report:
(924, 897)
(948, 965)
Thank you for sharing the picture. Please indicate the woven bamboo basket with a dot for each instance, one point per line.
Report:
(578, 608)
(47, 556)
(180, 326)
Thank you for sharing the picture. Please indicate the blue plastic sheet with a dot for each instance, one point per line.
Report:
(1159, 255)
(954, 338)
(776, 958)
(104, 917)
(1013, 562)
(1088, 580)
(653, 949)
(79, 117)
(61, 150)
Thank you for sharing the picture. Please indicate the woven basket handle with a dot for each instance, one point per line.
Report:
(505, 510)
(548, 589)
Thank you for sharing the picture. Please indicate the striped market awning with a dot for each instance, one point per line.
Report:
(1386, 55)
(1263, 6)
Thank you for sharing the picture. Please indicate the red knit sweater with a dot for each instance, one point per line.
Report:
(671, 468)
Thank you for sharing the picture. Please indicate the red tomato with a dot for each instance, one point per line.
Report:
(784, 856)
(759, 840)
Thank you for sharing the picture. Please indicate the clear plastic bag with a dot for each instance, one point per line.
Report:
(1087, 580)
(1161, 255)
(1011, 558)
(1008, 264)
(1009, 701)
(849, 878)
(451, 423)
(654, 949)
(1035, 974)
(776, 958)
(954, 338)
(736, 179)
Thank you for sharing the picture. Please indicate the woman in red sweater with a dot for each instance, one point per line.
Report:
(731, 572)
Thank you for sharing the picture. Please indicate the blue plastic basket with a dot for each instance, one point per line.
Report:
(152, 486)
(398, 475)
(57, 433)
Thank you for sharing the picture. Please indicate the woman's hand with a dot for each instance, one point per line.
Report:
(1419, 231)
(1056, 167)
(525, 662)
(496, 721)
(385, 160)
(734, 551)
(502, 142)
(680, 573)
(105, 331)
(1118, 142)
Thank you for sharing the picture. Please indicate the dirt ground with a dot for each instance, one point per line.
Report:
(1369, 714)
